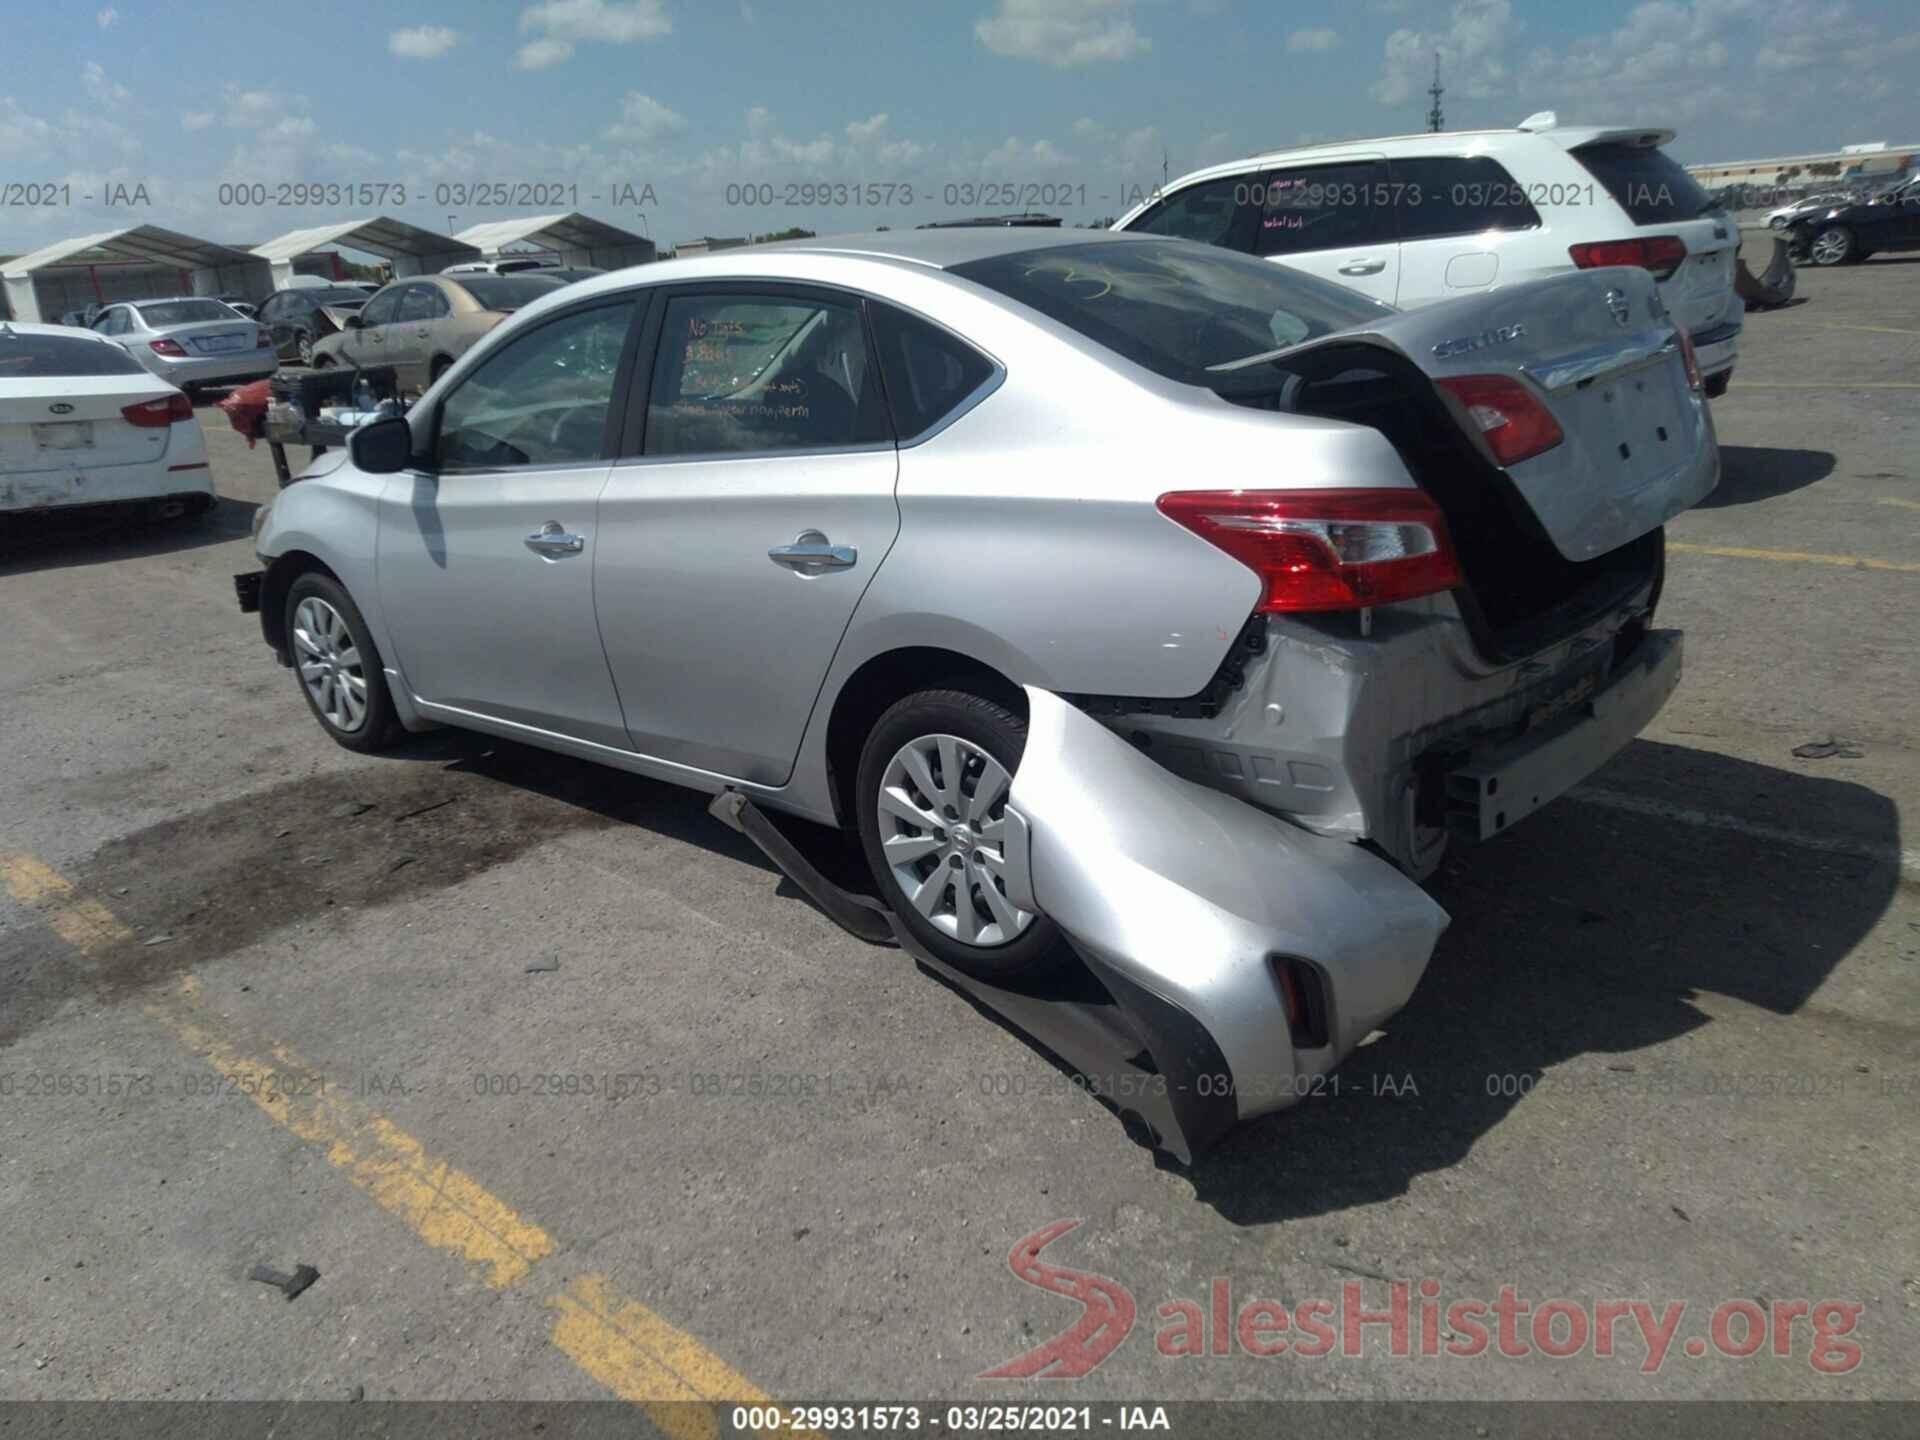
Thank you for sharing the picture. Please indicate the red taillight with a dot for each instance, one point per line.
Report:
(167, 347)
(1661, 254)
(1694, 380)
(1325, 549)
(266, 339)
(155, 413)
(1513, 421)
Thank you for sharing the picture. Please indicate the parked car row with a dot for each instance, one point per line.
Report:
(1848, 233)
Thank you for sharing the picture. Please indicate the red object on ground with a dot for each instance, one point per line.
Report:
(246, 407)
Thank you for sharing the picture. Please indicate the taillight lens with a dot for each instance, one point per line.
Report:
(155, 413)
(167, 347)
(1514, 421)
(266, 339)
(1661, 254)
(1694, 379)
(1325, 549)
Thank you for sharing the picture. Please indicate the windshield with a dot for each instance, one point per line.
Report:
(41, 357)
(1649, 183)
(506, 292)
(185, 312)
(1175, 306)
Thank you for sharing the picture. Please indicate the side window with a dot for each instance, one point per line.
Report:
(540, 399)
(1217, 212)
(1325, 207)
(380, 309)
(274, 308)
(762, 372)
(114, 322)
(927, 371)
(1459, 195)
(422, 302)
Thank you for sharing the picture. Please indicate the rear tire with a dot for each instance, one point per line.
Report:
(336, 665)
(1834, 245)
(931, 793)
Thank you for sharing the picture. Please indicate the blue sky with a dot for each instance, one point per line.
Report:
(1082, 96)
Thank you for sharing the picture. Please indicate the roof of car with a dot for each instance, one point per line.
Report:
(31, 327)
(942, 247)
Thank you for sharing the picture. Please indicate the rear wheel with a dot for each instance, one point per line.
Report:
(932, 792)
(336, 664)
(1834, 245)
(440, 366)
(322, 362)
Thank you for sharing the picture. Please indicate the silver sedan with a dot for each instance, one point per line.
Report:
(190, 341)
(1111, 589)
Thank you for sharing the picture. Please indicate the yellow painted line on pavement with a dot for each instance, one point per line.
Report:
(636, 1353)
(1822, 385)
(1737, 552)
(1903, 504)
(1876, 329)
(85, 924)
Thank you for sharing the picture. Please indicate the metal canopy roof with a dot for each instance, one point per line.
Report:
(141, 242)
(571, 231)
(380, 235)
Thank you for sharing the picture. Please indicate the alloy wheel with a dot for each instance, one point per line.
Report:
(1830, 247)
(943, 820)
(330, 664)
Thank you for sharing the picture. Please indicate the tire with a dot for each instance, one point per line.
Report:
(1834, 245)
(441, 364)
(1779, 222)
(314, 640)
(1716, 385)
(322, 362)
(948, 731)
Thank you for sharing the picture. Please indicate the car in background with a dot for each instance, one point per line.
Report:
(422, 324)
(239, 304)
(1848, 234)
(81, 318)
(1785, 215)
(1416, 219)
(298, 318)
(502, 265)
(565, 274)
(83, 423)
(190, 341)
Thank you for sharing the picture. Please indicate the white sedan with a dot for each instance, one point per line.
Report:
(81, 423)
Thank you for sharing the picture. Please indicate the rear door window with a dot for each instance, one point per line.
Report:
(1215, 212)
(1458, 195)
(1647, 182)
(380, 310)
(929, 373)
(422, 302)
(1324, 207)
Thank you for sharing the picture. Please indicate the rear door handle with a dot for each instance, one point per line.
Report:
(551, 541)
(1363, 265)
(812, 551)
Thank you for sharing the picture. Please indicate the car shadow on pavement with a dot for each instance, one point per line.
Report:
(1760, 472)
(61, 539)
(1579, 940)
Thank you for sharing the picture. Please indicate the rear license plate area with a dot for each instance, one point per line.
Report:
(64, 435)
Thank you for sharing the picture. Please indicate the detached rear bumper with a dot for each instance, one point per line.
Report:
(1201, 900)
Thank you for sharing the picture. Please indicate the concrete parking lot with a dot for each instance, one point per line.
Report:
(266, 1002)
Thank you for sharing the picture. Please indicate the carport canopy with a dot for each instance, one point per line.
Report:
(413, 250)
(211, 268)
(578, 239)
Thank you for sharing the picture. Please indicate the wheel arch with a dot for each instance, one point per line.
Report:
(284, 569)
(882, 680)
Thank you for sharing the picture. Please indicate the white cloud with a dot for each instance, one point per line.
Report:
(196, 120)
(108, 18)
(1062, 33)
(559, 25)
(99, 88)
(644, 120)
(257, 109)
(422, 42)
(1471, 51)
(861, 132)
(539, 54)
(1316, 40)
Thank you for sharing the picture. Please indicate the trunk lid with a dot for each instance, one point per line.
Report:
(212, 338)
(91, 433)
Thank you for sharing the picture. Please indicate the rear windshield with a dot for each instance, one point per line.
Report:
(1175, 306)
(506, 292)
(185, 312)
(1649, 184)
(43, 357)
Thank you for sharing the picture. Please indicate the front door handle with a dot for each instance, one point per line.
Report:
(1363, 265)
(551, 541)
(811, 552)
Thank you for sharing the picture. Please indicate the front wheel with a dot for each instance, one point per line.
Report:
(932, 793)
(303, 347)
(337, 665)
(1833, 246)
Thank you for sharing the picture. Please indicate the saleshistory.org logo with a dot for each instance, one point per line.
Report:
(1415, 1320)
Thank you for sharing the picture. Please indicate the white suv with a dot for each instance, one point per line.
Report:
(1415, 219)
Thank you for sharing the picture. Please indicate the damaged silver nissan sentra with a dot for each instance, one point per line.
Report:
(1114, 590)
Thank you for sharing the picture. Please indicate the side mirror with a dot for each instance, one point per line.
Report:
(354, 322)
(381, 447)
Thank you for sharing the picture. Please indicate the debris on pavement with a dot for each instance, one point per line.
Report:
(1828, 749)
(157, 940)
(424, 809)
(543, 965)
(292, 1285)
